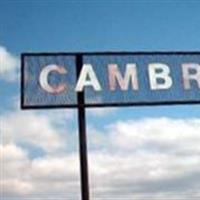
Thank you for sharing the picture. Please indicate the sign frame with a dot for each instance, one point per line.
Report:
(96, 105)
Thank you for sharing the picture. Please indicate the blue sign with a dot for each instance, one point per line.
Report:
(110, 79)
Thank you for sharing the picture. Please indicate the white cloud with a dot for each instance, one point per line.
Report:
(14, 167)
(36, 128)
(151, 157)
(101, 112)
(23, 177)
(142, 159)
(158, 135)
(31, 128)
(9, 65)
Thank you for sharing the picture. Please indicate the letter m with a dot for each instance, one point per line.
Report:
(130, 76)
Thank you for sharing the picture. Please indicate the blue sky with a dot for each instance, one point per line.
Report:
(101, 26)
(70, 26)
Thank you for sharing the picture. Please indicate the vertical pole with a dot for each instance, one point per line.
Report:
(82, 136)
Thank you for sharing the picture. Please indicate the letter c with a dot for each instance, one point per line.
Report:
(43, 79)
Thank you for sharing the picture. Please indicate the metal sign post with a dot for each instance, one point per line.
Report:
(82, 136)
(83, 153)
(102, 79)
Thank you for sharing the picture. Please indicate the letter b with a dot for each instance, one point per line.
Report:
(159, 71)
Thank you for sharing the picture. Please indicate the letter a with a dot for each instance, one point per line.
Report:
(87, 78)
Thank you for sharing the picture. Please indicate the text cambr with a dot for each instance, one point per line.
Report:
(159, 77)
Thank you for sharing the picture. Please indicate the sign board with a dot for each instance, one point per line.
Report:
(110, 79)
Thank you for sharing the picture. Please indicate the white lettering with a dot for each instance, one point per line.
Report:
(87, 78)
(43, 79)
(188, 76)
(159, 71)
(115, 76)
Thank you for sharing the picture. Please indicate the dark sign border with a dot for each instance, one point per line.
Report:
(81, 54)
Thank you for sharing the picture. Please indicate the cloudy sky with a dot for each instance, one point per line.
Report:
(134, 153)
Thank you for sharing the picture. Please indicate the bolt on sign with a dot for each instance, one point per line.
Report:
(80, 80)
(110, 79)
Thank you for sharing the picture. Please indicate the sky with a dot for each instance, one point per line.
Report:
(141, 153)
